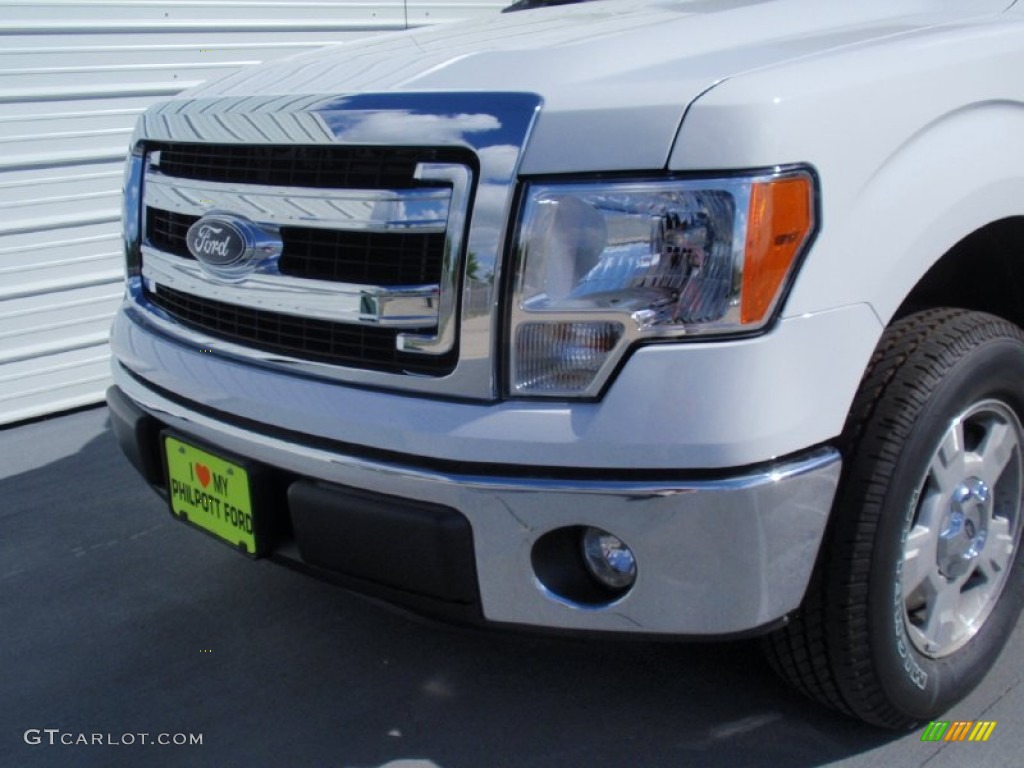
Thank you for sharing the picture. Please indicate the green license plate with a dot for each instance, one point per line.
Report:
(211, 493)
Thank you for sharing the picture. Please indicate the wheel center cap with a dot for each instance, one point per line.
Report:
(964, 529)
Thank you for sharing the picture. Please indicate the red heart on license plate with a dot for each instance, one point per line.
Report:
(203, 473)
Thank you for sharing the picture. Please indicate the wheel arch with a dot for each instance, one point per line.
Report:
(984, 271)
(886, 232)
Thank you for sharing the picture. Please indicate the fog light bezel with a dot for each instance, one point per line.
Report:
(560, 571)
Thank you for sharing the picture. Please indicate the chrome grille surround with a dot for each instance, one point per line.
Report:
(444, 330)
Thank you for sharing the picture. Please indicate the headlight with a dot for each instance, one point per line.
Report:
(600, 266)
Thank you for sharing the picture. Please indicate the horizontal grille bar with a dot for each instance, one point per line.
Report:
(420, 209)
(300, 337)
(406, 306)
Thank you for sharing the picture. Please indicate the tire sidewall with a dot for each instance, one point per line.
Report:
(918, 685)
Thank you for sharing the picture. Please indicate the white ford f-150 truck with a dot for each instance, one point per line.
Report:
(673, 318)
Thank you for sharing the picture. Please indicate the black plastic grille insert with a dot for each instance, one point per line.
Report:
(303, 337)
(344, 256)
(336, 167)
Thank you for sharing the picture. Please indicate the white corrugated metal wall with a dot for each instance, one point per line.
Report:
(74, 74)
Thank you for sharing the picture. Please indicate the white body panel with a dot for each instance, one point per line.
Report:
(719, 405)
(934, 151)
(612, 71)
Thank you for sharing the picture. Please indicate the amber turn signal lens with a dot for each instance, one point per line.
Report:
(780, 222)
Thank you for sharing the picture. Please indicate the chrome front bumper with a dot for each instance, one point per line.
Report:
(714, 556)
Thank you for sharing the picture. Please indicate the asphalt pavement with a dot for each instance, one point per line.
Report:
(121, 628)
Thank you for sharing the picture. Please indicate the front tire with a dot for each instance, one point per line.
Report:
(919, 583)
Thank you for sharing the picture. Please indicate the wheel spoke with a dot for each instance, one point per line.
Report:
(919, 565)
(949, 465)
(929, 512)
(943, 623)
(998, 552)
(996, 451)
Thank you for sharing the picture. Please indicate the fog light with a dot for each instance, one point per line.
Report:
(608, 559)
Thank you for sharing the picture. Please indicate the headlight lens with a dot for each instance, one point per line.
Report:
(602, 265)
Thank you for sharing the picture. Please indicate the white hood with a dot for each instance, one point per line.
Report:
(617, 74)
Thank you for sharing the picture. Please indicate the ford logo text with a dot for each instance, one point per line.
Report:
(218, 242)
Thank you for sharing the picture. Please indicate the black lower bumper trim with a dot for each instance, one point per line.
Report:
(393, 541)
(138, 434)
(401, 550)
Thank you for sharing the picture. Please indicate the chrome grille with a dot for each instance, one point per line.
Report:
(368, 240)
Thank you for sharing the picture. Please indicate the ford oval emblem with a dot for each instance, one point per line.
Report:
(219, 242)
